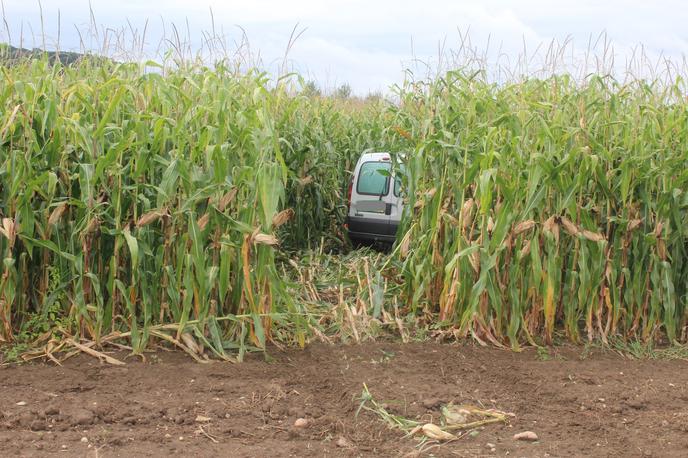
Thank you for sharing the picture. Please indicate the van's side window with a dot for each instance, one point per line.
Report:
(373, 178)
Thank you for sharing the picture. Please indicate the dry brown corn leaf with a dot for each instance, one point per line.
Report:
(523, 226)
(282, 217)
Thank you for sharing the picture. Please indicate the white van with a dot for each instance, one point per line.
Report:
(375, 204)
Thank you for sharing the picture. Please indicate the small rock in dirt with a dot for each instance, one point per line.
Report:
(343, 442)
(181, 438)
(21, 403)
(84, 439)
(82, 417)
(301, 423)
(526, 436)
(490, 445)
(202, 419)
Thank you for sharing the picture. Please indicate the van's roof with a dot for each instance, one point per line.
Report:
(378, 156)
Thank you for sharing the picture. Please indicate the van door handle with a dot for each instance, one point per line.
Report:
(388, 209)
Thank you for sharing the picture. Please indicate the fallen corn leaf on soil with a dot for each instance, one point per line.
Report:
(578, 404)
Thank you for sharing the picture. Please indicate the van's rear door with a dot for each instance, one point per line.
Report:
(369, 211)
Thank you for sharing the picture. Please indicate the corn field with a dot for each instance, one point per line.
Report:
(142, 206)
(546, 206)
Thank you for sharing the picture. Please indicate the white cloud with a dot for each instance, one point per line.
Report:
(365, 43)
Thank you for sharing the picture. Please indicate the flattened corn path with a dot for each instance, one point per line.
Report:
(152, 204)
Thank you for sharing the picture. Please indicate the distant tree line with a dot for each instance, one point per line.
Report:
(311, 89)
(11, 53)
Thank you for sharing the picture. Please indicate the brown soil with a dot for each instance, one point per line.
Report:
(602, 405)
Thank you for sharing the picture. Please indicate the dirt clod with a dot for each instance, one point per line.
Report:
(81, 417)
(38, 425)
(51, 410)
(343, 442)
(526, 436)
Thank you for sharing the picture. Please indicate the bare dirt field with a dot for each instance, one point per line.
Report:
(578, 404)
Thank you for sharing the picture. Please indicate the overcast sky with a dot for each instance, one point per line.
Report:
(368, 43)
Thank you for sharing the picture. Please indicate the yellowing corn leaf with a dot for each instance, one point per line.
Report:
(404, 133)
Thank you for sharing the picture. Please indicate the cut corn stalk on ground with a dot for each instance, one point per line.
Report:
(454, 419)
